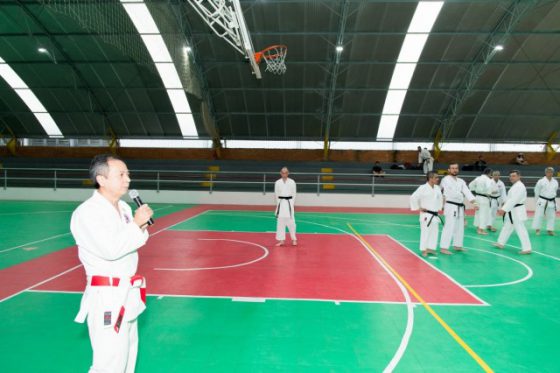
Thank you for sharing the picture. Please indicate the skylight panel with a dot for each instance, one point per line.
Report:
(418, 31)
(149, 32)
(30, 99)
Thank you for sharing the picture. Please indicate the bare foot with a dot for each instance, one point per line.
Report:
(424, 253)
(294, 243)
(525, 252)
(445, 252)
(481, 232)
(432, 252)
(279, 243)
(499, 246)
(492, 229)
(551, 233)
(538, 232)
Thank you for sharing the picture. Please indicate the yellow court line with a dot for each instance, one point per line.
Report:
(455, 336)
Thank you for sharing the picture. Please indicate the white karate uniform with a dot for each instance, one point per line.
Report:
(517, 195)
(107, 242)
(482, 186)
(426, 160)
(455, 191)
(285, 208)
(547, 189)
(499, 194)
(431, 199)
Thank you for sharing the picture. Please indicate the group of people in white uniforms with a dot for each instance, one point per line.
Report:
(491, 200)
(545, 206)
(108, 236)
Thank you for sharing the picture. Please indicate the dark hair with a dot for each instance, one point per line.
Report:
(487, 171)
(515, 172)
(100, 166)
(430, 174)
(452, 163)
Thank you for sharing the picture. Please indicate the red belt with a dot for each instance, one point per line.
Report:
(104, 281)
(114, 281)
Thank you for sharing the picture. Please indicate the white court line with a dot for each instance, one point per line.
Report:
(528, 276)
(41, 282)
(33, 213)
(357, 301)
(33, 242)
(50, 238)
(222, 267)
(182, 221)
(409, 305)
(440, 271)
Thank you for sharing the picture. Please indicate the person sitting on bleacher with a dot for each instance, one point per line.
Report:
(480, 164)
(377, 170)
(520, 160)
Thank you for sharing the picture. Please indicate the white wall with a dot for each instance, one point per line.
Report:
(236, 198)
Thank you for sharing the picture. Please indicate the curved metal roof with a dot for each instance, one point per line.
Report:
(98, 76)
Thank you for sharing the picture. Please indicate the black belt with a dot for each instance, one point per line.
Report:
(509, 213)
(434, 214)
(289, 205)
(459, 206)
(496, 198)
(484, 195)
(553, 200)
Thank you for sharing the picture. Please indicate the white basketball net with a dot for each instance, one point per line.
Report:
(275, 58)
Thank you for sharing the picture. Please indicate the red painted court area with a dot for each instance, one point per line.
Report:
(322, 267)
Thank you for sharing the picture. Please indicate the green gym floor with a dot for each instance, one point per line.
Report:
(354, 296)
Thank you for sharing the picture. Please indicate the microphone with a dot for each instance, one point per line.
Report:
(133, 193)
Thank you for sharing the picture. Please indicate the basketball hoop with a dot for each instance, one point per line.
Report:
(275, 58)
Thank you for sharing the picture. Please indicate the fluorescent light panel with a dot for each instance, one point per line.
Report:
(335, 145)
(29, 98)
(149, 32)
(418, 31)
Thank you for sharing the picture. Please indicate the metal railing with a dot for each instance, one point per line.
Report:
(211, 181)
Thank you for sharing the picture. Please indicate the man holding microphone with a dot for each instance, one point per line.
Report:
(108, 236)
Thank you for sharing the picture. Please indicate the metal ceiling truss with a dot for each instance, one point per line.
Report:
(333, 75)
(512, 15)
(68, 61)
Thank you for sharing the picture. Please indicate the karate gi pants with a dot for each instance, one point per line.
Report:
(482, 215)
(429, 235)
(493, 211)
(112, 352)
(454, 227)
(428, 165)
(540, 212)
(520, 229)
(281, 224)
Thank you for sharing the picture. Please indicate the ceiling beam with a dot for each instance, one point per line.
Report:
(512, 15)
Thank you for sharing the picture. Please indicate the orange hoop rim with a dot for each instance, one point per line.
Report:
(262, 54)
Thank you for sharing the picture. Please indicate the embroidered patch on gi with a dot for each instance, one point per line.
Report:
(107, 318)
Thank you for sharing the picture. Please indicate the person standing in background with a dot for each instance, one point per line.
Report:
(285, 192)
(545, 197)
(428, 200)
